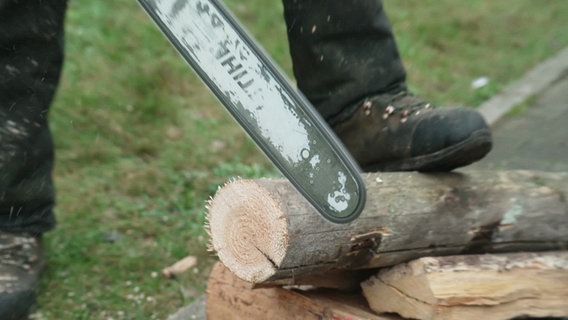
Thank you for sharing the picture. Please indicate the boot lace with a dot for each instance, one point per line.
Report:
(402, 103)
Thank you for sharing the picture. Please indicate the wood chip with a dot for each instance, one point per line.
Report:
(179, 267)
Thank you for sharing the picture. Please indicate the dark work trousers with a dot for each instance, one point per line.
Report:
(342, 51)
(31, 55)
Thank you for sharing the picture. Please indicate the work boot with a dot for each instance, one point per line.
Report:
(21, 263)
(401, 132)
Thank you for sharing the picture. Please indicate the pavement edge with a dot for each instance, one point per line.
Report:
(534, 81)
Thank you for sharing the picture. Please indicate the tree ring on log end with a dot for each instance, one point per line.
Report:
(248, 230)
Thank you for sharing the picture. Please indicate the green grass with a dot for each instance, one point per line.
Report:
(141, 144)
(447, 44)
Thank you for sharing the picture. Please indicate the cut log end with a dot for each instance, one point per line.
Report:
(250, 244)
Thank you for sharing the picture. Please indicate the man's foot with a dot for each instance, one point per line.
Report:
(21, 263)
(400, 132)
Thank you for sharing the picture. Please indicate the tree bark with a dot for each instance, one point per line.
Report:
(264, 230)
(503, 286)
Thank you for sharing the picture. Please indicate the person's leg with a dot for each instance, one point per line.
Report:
(342, 51)
(347, 64)
(31, 56)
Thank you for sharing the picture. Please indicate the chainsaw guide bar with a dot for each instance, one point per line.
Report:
(276, 116)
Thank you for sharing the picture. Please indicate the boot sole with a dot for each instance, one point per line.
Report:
(458, 155)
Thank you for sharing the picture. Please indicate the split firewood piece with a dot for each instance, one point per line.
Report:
(230, 298)
(473, 287)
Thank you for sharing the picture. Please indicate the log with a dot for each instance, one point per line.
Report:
(231, 298)
(264, 230)
(473, 287)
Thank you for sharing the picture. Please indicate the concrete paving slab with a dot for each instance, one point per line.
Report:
(193, 311)
(535, 138)
(533, 82)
